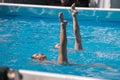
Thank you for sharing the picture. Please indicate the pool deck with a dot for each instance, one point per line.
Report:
(34, 75)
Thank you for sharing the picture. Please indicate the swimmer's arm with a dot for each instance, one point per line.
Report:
(96, 65)
(104, 66)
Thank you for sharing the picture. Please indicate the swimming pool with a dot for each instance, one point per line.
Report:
(27, 30)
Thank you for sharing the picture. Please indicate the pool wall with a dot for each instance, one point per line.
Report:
(7, 9)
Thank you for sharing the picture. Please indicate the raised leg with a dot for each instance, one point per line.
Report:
(78, 43)
(62, 58)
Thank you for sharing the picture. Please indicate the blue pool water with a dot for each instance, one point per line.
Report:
(21, 37)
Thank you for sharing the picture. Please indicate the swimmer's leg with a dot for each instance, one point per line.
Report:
(61, 20)
(78, 43)
(62, 58)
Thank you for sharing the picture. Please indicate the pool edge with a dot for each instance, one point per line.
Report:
(35, 75)
(59, 7)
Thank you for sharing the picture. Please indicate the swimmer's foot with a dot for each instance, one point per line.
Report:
(62, 21)
(73, 6)
(61, 17)
(74, 11)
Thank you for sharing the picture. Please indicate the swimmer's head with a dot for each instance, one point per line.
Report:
(57, 46)
(39, 56)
